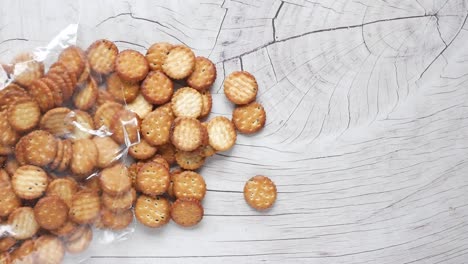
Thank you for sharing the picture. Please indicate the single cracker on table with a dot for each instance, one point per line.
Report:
(23, 223)
(221, 133)
(24, 115)
(260, 192)
(115, 180)
(86, 96)
(122, 91)
(80, 243)
(140, 106)
(85, 207)
(120, 202)
(64, 188)
(105, 113)
(83, 125)
(26, 69)
(187, 102)
(142, 150)
(189, 160)
(186, 134)
(131, 66)
(101, 56)
(84, 157)
(85, 75)
(249, 118)
(58, 121)
(179, 63)
(125, 127)
(153, 179)
(189, 184)
(204, 74)
(29, 182)
(116, 220)
(49, 249)
(157, 88)
(187, 212)
(157, 54)
(109, 151)
(156, 127)
(153, 211)
(240, 87)
(74, 59)
(51, 212)
(40, 148)
(9, 201)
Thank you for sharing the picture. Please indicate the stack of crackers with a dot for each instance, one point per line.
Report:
(104, 135)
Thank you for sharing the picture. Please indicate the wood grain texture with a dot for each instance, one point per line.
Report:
(366, 135)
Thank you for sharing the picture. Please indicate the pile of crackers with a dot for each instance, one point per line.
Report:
(104, 135)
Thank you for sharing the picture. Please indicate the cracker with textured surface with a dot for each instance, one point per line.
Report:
(23, 223)
(179, 63)
(142, 150)
(131, 66)
(157, 54)
(249, 118)
(260, 192)
(58, 121)
(115, 180)
(189, 160)
(29, 182)
(108, 151)
(240, 87)
(86, 97)
(51, 212)
(187, 212)
(153, 211)
(125, 127)
(204, 74)
(187, 134)
(221, 133)
(156, 127)
(101, 56)
(122, 91)
(187, 102)
(85, 207)
(64, 188)
(24, 115)
(84, 157)
(120, 202)
(140, 106)
(153, 179)
(189, 184)
(157, 88)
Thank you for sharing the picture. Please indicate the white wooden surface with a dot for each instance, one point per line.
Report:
(367, 127)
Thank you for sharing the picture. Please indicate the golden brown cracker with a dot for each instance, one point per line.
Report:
(131, 66)
(84, 157)
(142, 150)
(60, 68)
(24, 254)
(29, 182)
(116, 220)
(65, 230)
(108, 151)
(125, 127)
(24, 115)
(58, 121)
(189, 160)
(167, 151)
(207, 104)
(20, 153)
(240, 87)
(51, 212)
(187, 134)
(260, 192)
(40, 92)
(23, 223)
(8, 136)
(81, 242)
(58, 86)
(101, 56)
(49, 249)
(187, 212)
(104, 97)
(85, 207)
(74, 59)
(85, 75)
(8, 201)
(187, 102)
(249, 118)
(167, 108)
(156, 127)
(58, 157)
(157, 54)
(189, 184)
(40, 148)
(83, 125)
(120, 202)
(140, 106)
(179, 63)
(85, 97)
(121, 91)
(221, 133)
(26, 69)
(115, 180)
(105, 114)
(153, 179)
(152, 211)
(67, 155)
(204, 74)
(157, 88)
(160, 160)
(64, 188)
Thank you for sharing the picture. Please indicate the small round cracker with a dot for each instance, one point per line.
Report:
(29, 182)
(60, 68)
(64, 188)
(109, 151)
(189, 184)
(240, 87)
(26, 69)
(204, 74)
(116, 220)
(80, 243)
(67, 155)
(105, 114)
(85, 97)
(23, 223)
(153, 212)
(167, 151)
(8, 136)
(187, 134)
(156, 127)
(157, 54)
(131, 66)
(83, 125)
(187, 102)
(189, 160)
(179, 63)
(170, 190)
(42, 94)
(24, 115)
(187, 212)
(166, 108)
(260, 192)
(122, 91)
(125, 127)
(249, 118)
(120, 202)
(85, 207)
(159, 159)
(51, 212)
(142, 150)
(58, 121)
(207, 104)
(104, 97)
(64, 81)
(140, 106)
(40, 148)
(74, 59)
(133, 172)
(58, 157)
(115, 180)
(153, 179)
(157, 88)
(49, 249)
(221, 133)
(102, 55)
(20, 152)
(84, 157)
(58, 85)
(8, 201)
